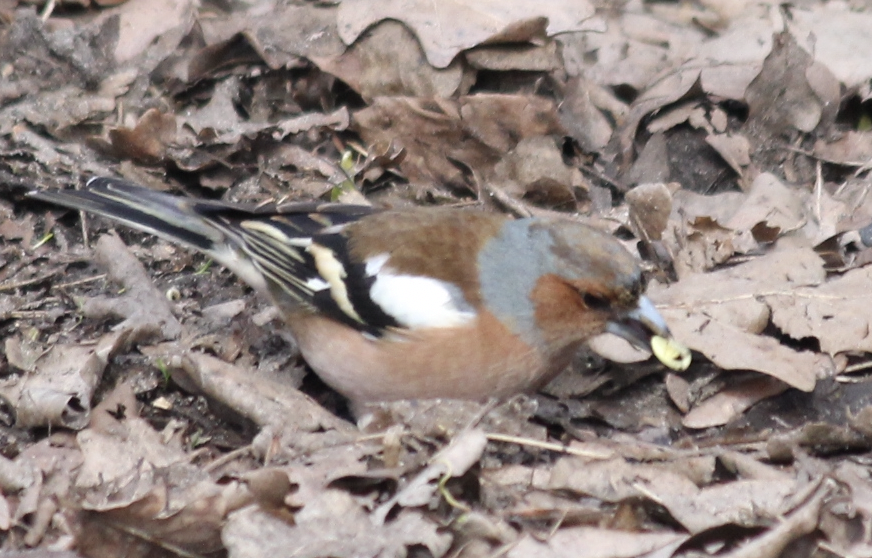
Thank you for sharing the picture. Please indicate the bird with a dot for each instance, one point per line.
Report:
(412, 303)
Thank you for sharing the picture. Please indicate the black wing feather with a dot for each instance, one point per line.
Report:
(273, 236)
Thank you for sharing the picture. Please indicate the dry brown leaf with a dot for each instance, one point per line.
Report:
(437, 133)
(770, 205)
(317, 531)
(835, 313)
(721, 313)
(734, 149)
(534, 171)
(148, 140)
(668, 89)
(261, 399)
(60, 383)
(449, 27)
(463, 452)
(632, 49)
(743, 502)
(598, 543)
(650, 206)
(796, 106)
(706, 231)
(142, 22)
(729, 403)
(145, 310)
(841, 41)
(56, 110)
(853, 148)
(582, 118)
(284, 35)
(733, 58)
(799, 523)
(388, 60)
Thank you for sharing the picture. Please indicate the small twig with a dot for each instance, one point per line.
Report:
(47, 10)
(28, 282)
(80, 282)
(227, 458)
(529, 442)
(600, 176)
(818, 190)
(860, 366)
(27, 314)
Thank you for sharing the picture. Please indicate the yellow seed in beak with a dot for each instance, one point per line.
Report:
(670, 352)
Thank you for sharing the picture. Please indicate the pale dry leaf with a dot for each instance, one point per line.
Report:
(652, 164)
(672, 117)
(771, 204)
(388, 60)
(617, 349)
(582, 118)
(705, 231)
(126, 453)
(259, 398)
(800, 523)
(144, 21)
(462, 453)
(536, 166)
(731, 402)
(447, 28)
(718, 207)
(731, 348)
(733, 58)
(734, 149)
(835, 313)
(176, 512)
(841, 41)
(780, 99)
(61, 383)
(597, 543)
(145, 310)
(743, 502)
(669, 88)
(617, 479)
(284, 34)
(333, 524)
(721, 313)
(16, 475)
(618, 59)
(853, 148)
(438, 133)
(678, 389)
(748, 467)
(56, 110)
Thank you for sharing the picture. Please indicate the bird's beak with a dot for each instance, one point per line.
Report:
(646, 329)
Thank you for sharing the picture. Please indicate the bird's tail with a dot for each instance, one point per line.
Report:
(170, 217)
(266, 245)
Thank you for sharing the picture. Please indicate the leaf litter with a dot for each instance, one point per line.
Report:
(157, 408)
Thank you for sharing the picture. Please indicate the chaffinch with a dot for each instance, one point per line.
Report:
(411, 303)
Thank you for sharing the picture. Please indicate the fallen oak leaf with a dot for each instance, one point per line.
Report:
(723, 314)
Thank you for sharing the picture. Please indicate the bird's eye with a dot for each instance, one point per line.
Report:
(596, 302)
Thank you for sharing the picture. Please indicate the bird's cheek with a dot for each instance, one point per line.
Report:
(560, 313)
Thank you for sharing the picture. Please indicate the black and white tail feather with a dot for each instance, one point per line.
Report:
(292, 251)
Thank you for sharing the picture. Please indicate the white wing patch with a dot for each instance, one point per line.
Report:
(316, 285)
(414, 301)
